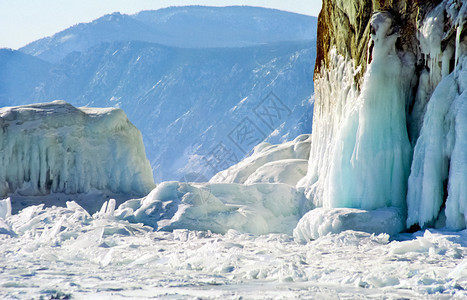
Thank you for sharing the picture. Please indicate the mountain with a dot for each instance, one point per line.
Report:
(19, 75)
(187, 101)
(187, 27)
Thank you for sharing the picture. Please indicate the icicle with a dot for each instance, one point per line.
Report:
(460, 26)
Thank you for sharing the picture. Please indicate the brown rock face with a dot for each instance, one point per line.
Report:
(345, 25)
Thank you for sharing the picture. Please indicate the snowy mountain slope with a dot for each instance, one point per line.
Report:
(190, 27)
(19, 75)
(186, 102)
(57, 148)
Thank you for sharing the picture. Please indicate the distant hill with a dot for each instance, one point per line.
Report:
(188, 27)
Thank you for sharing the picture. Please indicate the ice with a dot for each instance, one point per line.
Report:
(257, 208)
(55, 147)
(323, 221)
(282, 160)
(65, 251)
(369, 157)
(440, 155)
(5, 208)
(333, 90)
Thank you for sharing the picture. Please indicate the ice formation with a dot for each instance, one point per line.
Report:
(369, 158)
(361, 156)
(440, 156)
(323, 221)
(55, 147)
(283, 163)
(257, 208)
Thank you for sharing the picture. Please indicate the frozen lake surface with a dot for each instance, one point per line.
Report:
(65, 252)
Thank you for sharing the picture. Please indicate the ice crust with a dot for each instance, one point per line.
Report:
(67, 251)
(55, 147)
(440, 158)
(441, 155)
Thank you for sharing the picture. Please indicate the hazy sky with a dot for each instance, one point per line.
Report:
(23, 21)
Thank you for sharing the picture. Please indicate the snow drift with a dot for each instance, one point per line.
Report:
(283, 163)
(57, 148)
(218, 207)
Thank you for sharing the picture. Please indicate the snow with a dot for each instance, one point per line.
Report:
(65, 251)
(323, 221)
(260, 208)
(57, 148)
(282, 163)
(288, 171)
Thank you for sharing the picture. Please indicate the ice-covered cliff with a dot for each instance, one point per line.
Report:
(389, 123)
(57, 148)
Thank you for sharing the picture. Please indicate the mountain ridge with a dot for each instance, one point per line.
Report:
(186, 26)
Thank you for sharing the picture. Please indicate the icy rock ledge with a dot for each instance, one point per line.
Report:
(57, 148)
(323, 221)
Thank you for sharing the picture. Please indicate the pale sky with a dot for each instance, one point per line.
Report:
(24, 21)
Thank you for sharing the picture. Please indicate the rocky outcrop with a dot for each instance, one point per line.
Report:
(389, 115)
(345, 25)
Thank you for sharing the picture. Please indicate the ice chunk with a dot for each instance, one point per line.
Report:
(55, 147)
(322, 221)
(5, 208)
(107, 210)
(218, 207)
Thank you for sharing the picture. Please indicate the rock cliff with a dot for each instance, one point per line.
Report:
(389, 119)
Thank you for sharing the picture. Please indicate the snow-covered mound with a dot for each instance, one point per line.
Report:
(55, 147)
(323, 221)
(282, 163)
(218, 207)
